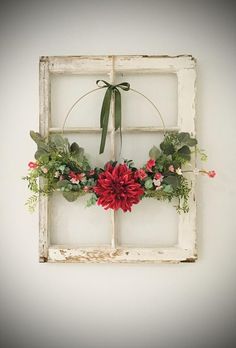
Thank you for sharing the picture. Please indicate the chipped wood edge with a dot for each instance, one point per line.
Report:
(123, 63)
(187, 234)
(65, 254)
(44, 117)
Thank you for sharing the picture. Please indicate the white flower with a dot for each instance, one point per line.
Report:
(158, 188)
(157, 182)
(44, 170)
(57, 174)
(179, 171)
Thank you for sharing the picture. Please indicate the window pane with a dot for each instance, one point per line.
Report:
(74, 224)
(65, 89)
(161, 89)
(150, 224)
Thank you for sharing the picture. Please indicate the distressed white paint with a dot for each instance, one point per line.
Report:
(124, 130)
(63, 253)
(184, 67)
(44, 121)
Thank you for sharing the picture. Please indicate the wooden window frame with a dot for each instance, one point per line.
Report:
(184, 68)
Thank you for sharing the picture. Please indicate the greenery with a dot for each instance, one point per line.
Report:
(61, 166)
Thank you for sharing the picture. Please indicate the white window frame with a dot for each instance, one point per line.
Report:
(184, 68)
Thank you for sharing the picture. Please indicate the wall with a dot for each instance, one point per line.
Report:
(88, 306)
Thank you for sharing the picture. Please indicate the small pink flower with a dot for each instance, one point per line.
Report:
(91, 172)
(140, 174)
(76, 178)
(158, 176)
(61, 178)
(150, 164)
(32, 165)
(211, 174)
(171, 168)
(74, 181)
(86, 189)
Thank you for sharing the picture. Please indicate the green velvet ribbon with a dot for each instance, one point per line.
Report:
(112, 90)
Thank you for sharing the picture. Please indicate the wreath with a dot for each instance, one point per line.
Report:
(61, 166)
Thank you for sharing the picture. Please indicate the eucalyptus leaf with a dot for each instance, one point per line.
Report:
(192, 142)
(171, 180)
(41, 155)
(185, 152)
(74, 147)
(70, 196)
(183, 137)
(148, 184)
(63, 183)
(154, 153)
(168, 189)
(58, 140)
(167, 148)
(36, 137)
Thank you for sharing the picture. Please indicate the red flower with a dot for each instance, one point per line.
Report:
(140, 174)
(117, 188)
(211, 174)
(32, 165)
(158, 176)
(151, 163)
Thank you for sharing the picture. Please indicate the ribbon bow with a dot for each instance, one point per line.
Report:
(105, 111)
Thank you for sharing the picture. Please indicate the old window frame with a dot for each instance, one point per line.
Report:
(184, 68)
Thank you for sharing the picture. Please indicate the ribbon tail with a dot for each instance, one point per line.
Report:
(117, 109)
(118, 114)
(104, 117)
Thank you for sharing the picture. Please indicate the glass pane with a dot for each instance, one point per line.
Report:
(150, 224)
(161, 89)
(65, 90)
(74, 224)
(136, 146)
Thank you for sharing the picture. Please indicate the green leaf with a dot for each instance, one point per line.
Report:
(74, 147)
(171, 180)
(63, 183)
(41, 155)
(58, 140)
(192, 142)
(36, 137)
(185, 152)
(148, 184)
(92, 200)
(62, 168)
(167, 148)
(70, 196)
(154, 153)
(183, 137)
(168, 189)
(39, 140)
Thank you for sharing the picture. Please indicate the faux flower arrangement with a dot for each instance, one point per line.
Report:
(61, 166)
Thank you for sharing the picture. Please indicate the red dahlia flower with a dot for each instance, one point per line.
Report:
(117, 188)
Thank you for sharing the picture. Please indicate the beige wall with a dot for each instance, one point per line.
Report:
(90, 306)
